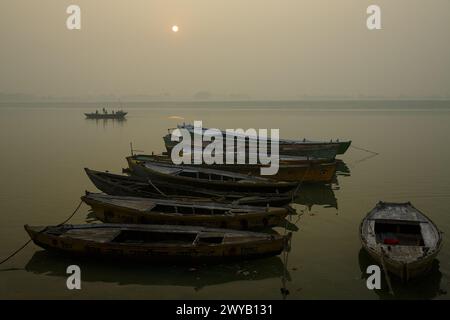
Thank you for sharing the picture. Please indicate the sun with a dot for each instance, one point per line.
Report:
(175, 28)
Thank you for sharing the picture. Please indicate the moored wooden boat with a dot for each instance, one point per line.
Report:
(292, 169)
(133, 186)
(209, 178)
(303, 147)
(156, 242)
(401, 238)
(133, 210)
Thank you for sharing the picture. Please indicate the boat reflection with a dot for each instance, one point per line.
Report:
(107, 122)
(322, 194)
(317, 194)
(425, 287)
(131, 273)
(342, 168)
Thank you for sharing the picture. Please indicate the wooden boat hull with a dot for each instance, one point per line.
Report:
(308, 171)
(343, 146)
(117, 242)
(131, 210)
(404, 271)
(307, 149)
(401, 239)
(132, 186)
(147, 170)
(302, 147)
(340, 146)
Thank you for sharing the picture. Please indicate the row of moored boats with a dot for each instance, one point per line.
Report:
(161, 211)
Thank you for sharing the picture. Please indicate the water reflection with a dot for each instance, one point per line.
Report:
(427, 286)
(130, 273)
(317, 194)
(342, 169)
(107, 122)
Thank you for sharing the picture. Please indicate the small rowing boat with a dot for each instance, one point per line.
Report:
(119, 115)
(156, 242)
(401, 238)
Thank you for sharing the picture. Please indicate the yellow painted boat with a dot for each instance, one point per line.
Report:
(292, 169)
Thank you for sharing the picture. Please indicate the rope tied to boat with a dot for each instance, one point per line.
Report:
(26, 243)
(362, 149)
(372, 154)
(156, 188)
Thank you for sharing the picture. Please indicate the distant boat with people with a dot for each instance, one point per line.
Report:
(104, 114)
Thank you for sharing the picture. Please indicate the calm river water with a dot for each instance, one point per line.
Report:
(44, 148)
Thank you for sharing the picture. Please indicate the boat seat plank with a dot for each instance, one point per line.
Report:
(140, 205)
(405, 253)
(398, 213)
(96, 234)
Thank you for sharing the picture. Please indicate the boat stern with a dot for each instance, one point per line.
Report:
(33, 230)
(343, 146)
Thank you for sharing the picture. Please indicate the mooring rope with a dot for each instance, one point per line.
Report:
(362, 149)
(283, 289)
(372, 154)
(26, 243)
(16, 252)
(156, 188)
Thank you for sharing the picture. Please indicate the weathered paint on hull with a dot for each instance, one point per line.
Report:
(313, 173)
(183, 254)
(133, 187)
(312, 150)
(115, 214)
(309, 172)
(404, 271)
(274, 186)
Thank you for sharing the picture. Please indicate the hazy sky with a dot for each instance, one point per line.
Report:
(260, 48)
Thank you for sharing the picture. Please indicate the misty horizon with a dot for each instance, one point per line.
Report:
(233, 50)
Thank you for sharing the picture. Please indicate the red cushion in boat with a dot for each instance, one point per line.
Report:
(392, 241)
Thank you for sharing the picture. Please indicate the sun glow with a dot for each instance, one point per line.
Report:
(175, 28)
